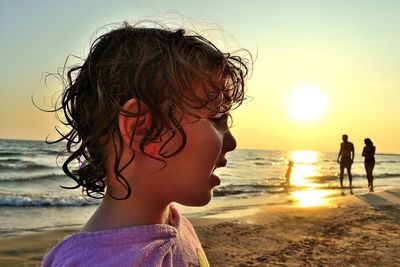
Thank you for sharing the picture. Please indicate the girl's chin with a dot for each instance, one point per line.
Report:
(215, 180)
(198, 202)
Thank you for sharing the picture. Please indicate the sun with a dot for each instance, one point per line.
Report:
(307, 104)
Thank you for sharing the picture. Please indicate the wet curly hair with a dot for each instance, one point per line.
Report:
(158, 67)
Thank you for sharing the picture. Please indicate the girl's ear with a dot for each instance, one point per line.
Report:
(132, 128)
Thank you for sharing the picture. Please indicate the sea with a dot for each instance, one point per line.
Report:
(31, 199)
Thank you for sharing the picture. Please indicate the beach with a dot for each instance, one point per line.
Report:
(361, 230)
(254, 219)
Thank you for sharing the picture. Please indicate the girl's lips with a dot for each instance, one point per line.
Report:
(215, 180)
(221, 164)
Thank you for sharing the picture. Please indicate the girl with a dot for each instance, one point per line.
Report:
(148, 115)
(369, 161)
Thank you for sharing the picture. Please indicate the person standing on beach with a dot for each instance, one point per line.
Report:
(369, 161)
(289, 172)
(346, 158)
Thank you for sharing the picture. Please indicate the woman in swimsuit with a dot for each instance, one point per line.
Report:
(369, 161)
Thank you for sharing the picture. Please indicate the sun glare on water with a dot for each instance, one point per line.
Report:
(307, 104)
(305, 169)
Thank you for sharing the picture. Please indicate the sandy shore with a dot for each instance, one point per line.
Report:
(349, 231)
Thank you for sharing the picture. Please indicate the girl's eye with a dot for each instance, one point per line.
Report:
(220, 121)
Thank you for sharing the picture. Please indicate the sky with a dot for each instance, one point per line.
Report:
(344, 55)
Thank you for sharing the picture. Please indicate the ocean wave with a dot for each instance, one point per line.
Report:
(43, 201)
(363, 175)
(269, 187)
(30, 152)
(328, 160)
(10, 160)
(255, 158)
(388, 154)
(230, 190)
(252, 189)
(22, 166)
(50, 152)
(270, 161)
(387, 175)
(324, 178)
(262, 163)
(8, 154)
(43, 177)
(321, 178)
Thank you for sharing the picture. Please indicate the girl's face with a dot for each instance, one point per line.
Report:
(189, 177)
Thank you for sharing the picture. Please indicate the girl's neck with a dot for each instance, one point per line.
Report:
(115, 214)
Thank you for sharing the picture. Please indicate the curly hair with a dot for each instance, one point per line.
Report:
(156, 66)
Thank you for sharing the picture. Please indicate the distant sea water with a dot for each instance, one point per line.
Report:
(31, 199)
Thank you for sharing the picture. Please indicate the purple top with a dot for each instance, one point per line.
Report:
(152, 245)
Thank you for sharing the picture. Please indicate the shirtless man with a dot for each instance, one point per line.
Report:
(346, 156)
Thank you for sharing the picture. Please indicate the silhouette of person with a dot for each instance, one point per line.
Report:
(346, 158)
(369, 161)
(289, 172)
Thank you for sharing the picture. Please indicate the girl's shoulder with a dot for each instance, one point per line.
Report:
(107, 248)
(125, 246)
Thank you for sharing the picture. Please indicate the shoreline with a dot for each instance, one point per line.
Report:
(350, 230)
(248, 208)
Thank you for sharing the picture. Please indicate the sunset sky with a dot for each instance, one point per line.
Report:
(344, 55)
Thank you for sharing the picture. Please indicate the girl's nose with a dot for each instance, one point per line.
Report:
(229, 142)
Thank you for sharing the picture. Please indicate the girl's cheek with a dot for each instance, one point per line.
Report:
(218, 135)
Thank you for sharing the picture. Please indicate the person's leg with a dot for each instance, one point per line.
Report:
(371, 169)
(367, 172)
(341, 174)
(371, 187)
(370, 179)
(349, 174)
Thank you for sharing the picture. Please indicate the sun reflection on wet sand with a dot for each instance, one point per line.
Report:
(304, 169)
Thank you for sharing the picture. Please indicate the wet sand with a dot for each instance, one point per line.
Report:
(349, 231)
